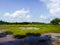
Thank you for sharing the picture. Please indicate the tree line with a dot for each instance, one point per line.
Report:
(53, 21)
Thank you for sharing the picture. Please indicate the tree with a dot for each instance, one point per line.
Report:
(55, 21)
(3, 22)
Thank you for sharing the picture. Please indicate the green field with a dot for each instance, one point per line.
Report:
(43, 28)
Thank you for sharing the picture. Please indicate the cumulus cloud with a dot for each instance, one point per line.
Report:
(19, 15)
(53, 7)
(21, 12)
(28, 16)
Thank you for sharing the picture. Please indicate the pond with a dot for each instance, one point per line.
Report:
(29, 40)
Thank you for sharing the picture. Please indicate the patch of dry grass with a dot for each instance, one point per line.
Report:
(56, 43)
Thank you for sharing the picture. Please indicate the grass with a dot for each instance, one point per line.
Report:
(43, 28)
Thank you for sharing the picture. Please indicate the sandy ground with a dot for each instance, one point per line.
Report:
(7, 38)
(55, 39)
(56, 43)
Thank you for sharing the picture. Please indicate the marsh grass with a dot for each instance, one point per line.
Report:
(46, 28)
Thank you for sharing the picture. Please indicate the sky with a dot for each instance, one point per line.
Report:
(29, 10)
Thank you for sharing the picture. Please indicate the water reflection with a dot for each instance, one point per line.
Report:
(30, 40)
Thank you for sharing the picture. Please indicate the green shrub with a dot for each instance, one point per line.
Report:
(33, 34)
(19, 36)
(8, 32)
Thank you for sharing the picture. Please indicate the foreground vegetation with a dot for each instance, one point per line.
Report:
(43, 28)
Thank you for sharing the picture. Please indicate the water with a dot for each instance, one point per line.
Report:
(29, 40)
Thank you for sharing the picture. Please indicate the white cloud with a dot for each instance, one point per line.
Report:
(21, 12)
(43, 17)
(53, 6)
(28, 16)
(19, 15)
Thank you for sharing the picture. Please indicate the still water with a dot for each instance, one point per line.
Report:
(29, 40)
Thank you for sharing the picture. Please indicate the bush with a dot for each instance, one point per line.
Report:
(33, 34)
(29, 34)
(2, 35)
(19, 36)
(37, 34)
